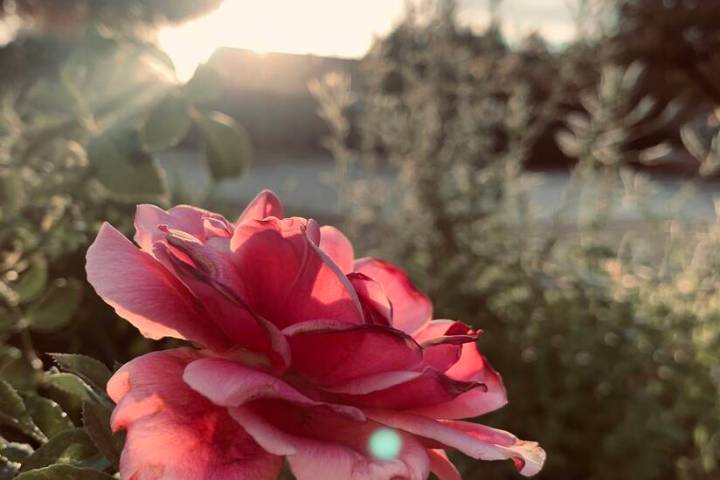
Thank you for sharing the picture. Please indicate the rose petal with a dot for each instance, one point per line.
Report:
(265, 204)
(373, 383)
(475, 440)
(215, 227)
(230, 384)
(331, 356)
(441, 357)
(437, 331)
(191, 220)
(287, 277)
(527, 456)
(429, 388)
(173, 432)
(442, 342)
(144, 293)
(472, 367)
(411, 309)
(331, 283)
(337, 246)
(441, 466)
(322, 445)
(215, 281)
(375, 304)
(210, 263)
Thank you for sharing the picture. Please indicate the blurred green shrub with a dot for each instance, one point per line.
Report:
(78, 143)
(607, 333)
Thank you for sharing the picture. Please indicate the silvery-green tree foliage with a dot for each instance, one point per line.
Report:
(609, 329)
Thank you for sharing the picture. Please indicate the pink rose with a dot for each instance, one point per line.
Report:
(300, 352)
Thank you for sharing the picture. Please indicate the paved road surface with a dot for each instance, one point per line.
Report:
(306, 187)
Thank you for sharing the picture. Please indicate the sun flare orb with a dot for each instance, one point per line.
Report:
(385, 444)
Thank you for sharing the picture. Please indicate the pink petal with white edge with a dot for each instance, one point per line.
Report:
(265, 204)
(411, 309)
(175, 433)
(337, 246)
(144, 293)
(527, 456)
(475, 440)
(321, 445)
(441, 465)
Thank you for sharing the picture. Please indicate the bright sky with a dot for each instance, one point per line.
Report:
(334, 27)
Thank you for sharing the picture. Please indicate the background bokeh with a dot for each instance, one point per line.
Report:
(554, 186)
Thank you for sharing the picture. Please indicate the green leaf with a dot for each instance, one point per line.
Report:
(13, 412)
(70, 384)
(123, 168)
(15, 452)
(47, 415)
(32, 281)
(694, 143)
(92, 371)
(227, 144)
(168, 123)
(11, 403)
(52, 96)
(70, 447)
(205, 86)
(16, 369)
(64, 472)
(8, 468)
(56, 307)
(96, 419)
(12, 192)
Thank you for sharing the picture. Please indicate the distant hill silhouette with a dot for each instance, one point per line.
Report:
(268, 94)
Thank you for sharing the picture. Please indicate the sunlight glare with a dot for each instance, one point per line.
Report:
(341, 28)
(322, 27)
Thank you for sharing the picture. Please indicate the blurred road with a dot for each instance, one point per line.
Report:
(306, 186)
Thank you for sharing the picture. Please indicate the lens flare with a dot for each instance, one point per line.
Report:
(385, 444)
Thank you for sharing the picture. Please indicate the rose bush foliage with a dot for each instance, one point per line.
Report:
(299, 350)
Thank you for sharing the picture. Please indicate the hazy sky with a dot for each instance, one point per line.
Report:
(335, 27)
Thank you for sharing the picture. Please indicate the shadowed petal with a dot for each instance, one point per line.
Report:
(174, 432)
(428, 388)
(323, 445)
(373, 383)
(329, 355)
(215, 281)
(230, 384)
(375, 304)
